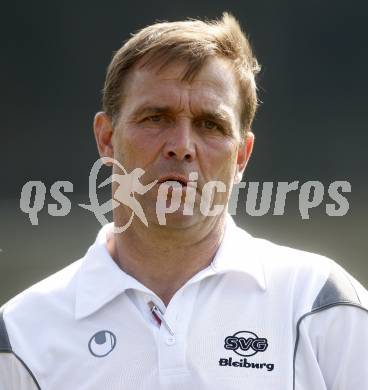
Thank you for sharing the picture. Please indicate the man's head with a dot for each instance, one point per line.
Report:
(180, 98)
(191, 42)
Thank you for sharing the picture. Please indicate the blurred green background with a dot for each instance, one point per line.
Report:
(311, 124)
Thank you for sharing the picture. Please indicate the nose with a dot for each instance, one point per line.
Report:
(180, 143)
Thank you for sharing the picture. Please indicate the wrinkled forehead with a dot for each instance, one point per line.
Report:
(214, 82)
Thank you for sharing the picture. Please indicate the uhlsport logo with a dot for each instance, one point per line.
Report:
(102, 343)
(245, 344)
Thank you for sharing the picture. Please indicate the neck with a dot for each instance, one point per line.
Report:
(164, 258)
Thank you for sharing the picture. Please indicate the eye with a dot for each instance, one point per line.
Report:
(154, 118)
(210, 125)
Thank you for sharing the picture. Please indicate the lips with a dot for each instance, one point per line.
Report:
(178, 178)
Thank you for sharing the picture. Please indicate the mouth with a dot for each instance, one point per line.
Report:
(177, 178)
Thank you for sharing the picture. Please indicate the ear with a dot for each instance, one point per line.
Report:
(103, 130)
(244, 152)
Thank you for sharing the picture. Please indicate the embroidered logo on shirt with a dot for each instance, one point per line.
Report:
(102, 343)
(246, 344)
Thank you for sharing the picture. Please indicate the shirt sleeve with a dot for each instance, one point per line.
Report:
(13, 374)
(332, 339)
(338, 338)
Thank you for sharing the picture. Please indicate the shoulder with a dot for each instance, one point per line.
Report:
(56, 289)
(47, 300)
(25, 319)
(313, 281)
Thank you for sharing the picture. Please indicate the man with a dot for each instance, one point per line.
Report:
(195, 302)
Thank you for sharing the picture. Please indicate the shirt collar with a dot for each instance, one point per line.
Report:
(238, 253)
(100, 279)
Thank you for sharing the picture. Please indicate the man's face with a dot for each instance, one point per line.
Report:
(169, 127)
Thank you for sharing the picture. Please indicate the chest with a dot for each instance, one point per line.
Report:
(236, 340)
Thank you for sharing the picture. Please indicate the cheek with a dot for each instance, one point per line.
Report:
(219, 159)
(135, 148)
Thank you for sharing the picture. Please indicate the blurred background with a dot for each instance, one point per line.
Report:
(312, 124)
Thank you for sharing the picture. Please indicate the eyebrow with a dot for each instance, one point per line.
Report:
(152, 110)
(218, 116)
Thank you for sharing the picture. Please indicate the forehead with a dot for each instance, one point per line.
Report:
(214, 86)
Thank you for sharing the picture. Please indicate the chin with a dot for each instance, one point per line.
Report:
(177, 220)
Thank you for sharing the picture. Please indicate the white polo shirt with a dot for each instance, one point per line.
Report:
(261, 316)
